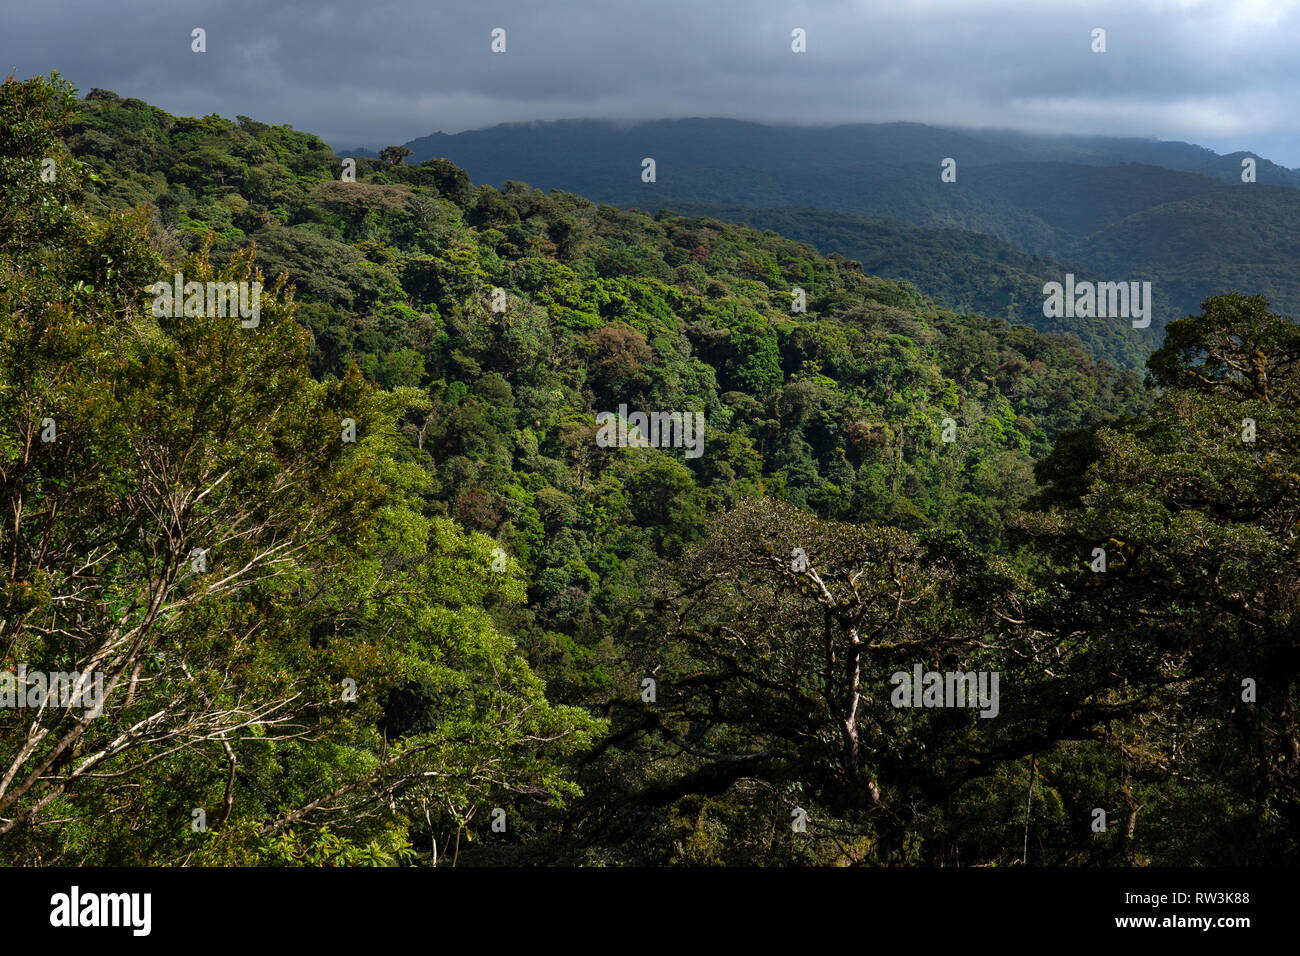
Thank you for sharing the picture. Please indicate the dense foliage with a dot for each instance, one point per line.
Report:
(964, 271)
(1175, 214)
(611, 645)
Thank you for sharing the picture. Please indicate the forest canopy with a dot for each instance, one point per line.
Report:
(364, 588)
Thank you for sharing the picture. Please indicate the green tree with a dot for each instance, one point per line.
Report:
(1194, 509)
(234, 553)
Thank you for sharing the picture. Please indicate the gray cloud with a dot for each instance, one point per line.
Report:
(1215, 72)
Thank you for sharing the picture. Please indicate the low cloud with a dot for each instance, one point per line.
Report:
(1214, 72)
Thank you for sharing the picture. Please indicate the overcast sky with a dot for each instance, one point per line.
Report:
(1220, 73)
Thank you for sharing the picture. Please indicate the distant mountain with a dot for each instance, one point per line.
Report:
(534, 150)
(1124, 209)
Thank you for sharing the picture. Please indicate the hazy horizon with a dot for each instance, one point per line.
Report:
(1211, 72)
(953, 127)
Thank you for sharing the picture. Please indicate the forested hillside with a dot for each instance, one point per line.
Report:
(962, 270)
(368, 587)
(838, 408)
(1174, 214)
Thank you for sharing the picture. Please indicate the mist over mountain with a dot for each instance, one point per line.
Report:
(533, 150)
